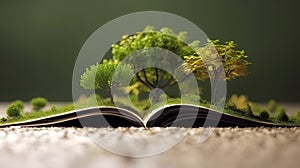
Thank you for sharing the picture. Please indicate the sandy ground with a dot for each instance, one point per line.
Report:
(226, 147)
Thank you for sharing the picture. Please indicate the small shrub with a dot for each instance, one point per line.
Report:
(3, 119)
(239, 101)
(230, 105)
(298, 114)
(257, 109)
(282, 116)
(272, 106)
(19, 103)
(39, 103)
(14, 110)
(247, 111)
(264, 116)
(53, 109)
(280, 109)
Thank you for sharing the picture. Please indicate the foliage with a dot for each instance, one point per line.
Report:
(3, 119)
(257, 109)
(264, 116)
(240, 105)
(272, 106)
(166, 39)
(14, 110)
(282, 117)
(39, 114)
(215, 57)
(53, 109)
(98, 76)
(247, 111)
(298, 114)
(142, 108)
(280, 109)
(19, 103)
(90, 101)
(38, 103)
(101, 76)
(296, 117)
(240, 102)
(230, 105)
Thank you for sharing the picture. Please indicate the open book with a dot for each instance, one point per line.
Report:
(176, 115)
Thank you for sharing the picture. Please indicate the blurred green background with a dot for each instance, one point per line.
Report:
(40, 40)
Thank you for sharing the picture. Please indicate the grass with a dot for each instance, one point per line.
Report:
(39, 114)
(143, 107)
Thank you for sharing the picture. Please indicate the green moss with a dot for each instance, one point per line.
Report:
(19, 103)
(14, 111)
(143, 107)
(38, 114)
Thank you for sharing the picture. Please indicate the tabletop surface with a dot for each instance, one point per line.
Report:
(226, 147)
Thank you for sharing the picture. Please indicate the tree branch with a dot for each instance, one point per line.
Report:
(156, 77)
(143, 82)
(146, 79)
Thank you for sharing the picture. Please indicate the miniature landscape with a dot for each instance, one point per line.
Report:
(99, 77)
(149, 84)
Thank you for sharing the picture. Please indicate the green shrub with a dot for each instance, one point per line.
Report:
(272, 106)
(257, 109)
(3, 119)
(282, 116)
(53, 109)
(14, 110)
(298, 114)
(280, 109)
(230, 105)
(19, 103)
(247, 111)
(38, 103)
(264, 116)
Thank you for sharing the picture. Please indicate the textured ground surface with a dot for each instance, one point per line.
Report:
(227, 147)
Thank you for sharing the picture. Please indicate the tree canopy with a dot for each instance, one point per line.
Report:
(207, 61)
(165, 39)
(216, 57)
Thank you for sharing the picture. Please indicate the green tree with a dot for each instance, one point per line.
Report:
(272, 106)
(99, 76)
(235, 64)
(14, 110)
(166, 39)
(214, 58)
(38, 103)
